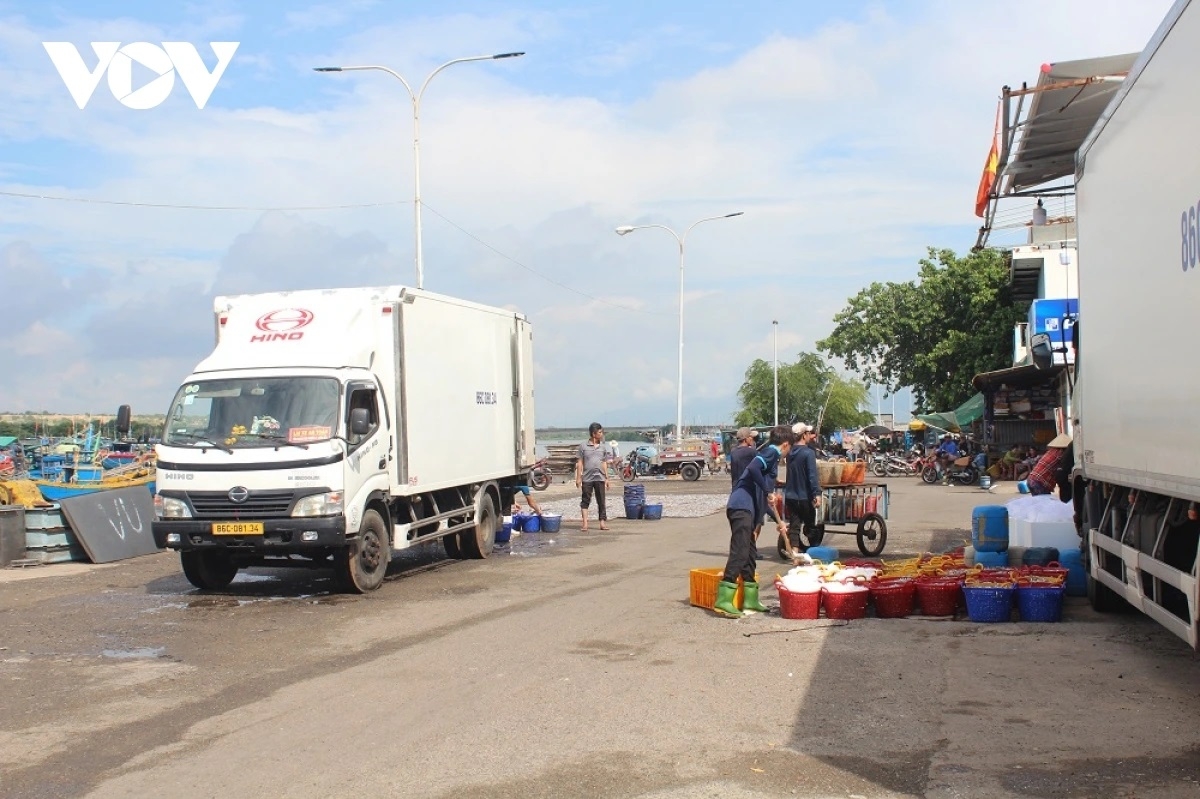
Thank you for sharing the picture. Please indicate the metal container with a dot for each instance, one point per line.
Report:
(12, 533)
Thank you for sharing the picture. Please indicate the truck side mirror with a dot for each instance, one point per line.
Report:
(360, 421)
(1042, 351)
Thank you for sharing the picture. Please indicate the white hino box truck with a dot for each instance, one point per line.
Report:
(1137, 391)
(331, 428)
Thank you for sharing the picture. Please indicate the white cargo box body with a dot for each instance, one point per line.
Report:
(457, 377)
(1138, 185)
(465, 391)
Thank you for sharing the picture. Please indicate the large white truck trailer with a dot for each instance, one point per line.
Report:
(331, 428)
(1137, 391)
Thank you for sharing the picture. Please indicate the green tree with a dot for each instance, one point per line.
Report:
(934, 333)
(805, 388)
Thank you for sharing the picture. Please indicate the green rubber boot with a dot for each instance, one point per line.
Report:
(750, 598)
(724, 604)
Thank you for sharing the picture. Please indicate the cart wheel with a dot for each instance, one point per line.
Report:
(872, 534)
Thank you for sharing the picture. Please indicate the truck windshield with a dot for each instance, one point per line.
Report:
(253, 412)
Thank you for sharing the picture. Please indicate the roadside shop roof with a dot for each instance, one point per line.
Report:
(1025, 376)
(1068, 100)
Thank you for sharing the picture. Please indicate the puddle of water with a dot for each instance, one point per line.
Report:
(168, 606)
(213, 602)
(242, 577)
(138, 653)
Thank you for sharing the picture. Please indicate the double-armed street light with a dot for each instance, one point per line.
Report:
(416, 104)
(680, 240)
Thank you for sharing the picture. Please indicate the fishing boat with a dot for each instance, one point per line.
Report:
(58, 490)
(73, 480)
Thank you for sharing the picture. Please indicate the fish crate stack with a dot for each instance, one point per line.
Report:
(561, 458)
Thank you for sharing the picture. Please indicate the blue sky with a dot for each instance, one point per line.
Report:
(851, 134)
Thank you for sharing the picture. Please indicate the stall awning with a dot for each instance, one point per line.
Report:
(1069, 99)
(962, 416)
(1025, 376)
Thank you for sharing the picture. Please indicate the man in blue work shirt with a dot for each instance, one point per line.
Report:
(745, 508)
(739, 456)
(802, 492)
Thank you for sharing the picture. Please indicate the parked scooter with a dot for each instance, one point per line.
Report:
(540, 476)
(894, 465)
(963, 472)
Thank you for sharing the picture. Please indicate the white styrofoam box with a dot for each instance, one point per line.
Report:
(1060, 535)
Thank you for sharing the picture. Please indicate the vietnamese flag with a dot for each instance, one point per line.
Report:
(988, 179)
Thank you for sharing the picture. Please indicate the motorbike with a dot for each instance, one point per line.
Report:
(634, 466)
(894, 466)
(540, 476)
(963, 471)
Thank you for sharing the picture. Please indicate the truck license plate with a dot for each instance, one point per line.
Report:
(237, 528)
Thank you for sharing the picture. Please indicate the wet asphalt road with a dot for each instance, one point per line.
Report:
(573, 665)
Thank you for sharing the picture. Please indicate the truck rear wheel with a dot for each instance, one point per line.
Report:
(689, 472)
(208, 571)
(362, 565)
(477, 542)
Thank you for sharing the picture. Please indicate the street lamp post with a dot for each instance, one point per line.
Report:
(680, 240)
(775, 337)
(416, 104)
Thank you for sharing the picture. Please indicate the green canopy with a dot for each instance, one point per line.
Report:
(970, 411)
(7, 441)
(955, 420)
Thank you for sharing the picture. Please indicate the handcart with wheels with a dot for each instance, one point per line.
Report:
(864, 505)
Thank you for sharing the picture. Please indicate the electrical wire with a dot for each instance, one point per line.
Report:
(533, 271)
(345, 206)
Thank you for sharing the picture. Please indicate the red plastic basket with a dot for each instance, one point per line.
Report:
(845, 605)
(1052, 573)
(796, 605)
(893, 598)
(939, 596)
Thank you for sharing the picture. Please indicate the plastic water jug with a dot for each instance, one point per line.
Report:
(989, 528)
(991, 560)
(1076, 575)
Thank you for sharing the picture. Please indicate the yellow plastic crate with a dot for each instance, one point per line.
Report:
(704, 587)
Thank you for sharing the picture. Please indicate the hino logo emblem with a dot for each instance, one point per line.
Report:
(284, 321)
(239, 494)
(282, 325)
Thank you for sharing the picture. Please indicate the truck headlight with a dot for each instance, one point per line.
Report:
(171, 508)
(329, 504)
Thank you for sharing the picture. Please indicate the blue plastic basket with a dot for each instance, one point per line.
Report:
(1040, 602)
(533, 524)
(504, 533)
(988, 605)
(633, 511)
(551, 522)
(652, 511)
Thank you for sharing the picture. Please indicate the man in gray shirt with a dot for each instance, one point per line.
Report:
(591, 475)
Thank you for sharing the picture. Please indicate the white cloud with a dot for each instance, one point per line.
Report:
(850, 150)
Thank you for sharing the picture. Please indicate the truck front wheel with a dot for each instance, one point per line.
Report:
(689, 472)
(208, 571)
(362, 565)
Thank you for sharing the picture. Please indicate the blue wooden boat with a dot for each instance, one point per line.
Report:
(56, 491)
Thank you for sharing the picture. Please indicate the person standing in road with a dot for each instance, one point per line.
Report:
(802, 492)
(591, 476)
(746, 506)
(739, 456)
(1044, 476)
